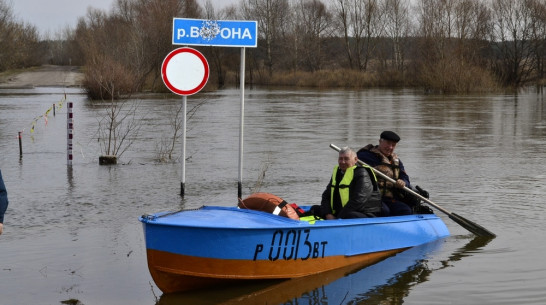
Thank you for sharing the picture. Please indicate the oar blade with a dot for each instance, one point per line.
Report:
(471, 226)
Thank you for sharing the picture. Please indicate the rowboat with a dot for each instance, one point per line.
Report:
(216, 245)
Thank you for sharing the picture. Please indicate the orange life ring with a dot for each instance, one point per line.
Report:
(269, 203)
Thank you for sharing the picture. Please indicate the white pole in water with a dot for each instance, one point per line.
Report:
(69, 131)
(183, 183)
(242, 84)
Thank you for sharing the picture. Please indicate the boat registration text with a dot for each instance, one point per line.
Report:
(291, 244)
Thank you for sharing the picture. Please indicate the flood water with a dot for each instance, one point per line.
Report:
(72, 232)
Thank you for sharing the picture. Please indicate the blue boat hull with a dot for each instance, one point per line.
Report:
(195, 248)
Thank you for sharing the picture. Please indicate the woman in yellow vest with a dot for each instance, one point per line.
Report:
(352, 191)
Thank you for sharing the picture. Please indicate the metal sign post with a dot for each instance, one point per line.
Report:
(220, 33)
(185, 71)
(241, 125)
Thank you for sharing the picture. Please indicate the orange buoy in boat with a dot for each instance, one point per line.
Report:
(269, 203)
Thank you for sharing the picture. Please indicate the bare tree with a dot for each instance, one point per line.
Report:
(436, 24)
(453, 37)
(152, 24)
(118, 128)
(167, 145)
(136, 36)
(397, 29)
(472, 27)
(342, 20)
(365, 24)
(270, 15)
(313, 23)
(373, 29)
(19, 42)
(538, 38)
(513, 32)
(6, 35)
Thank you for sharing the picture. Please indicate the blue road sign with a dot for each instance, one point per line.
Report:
(221, 33)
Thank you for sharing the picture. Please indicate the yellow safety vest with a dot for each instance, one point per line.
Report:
(343, 186)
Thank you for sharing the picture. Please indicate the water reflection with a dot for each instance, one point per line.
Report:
(387, 282)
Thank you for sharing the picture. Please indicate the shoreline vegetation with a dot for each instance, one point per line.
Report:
(73, 76)
(441, 47)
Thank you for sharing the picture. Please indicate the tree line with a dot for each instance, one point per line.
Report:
(19, 41)
(442, 46)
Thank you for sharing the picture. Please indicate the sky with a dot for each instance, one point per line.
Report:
(52, 16)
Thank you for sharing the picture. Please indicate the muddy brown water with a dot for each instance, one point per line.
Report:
(73, 232)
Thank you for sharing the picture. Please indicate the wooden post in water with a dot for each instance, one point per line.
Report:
(20, 136)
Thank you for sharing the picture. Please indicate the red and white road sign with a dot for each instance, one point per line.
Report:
(185, 71)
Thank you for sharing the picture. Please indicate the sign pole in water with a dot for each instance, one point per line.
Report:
(183, 180)
(242, 123)
(185, 71)
(221, 33)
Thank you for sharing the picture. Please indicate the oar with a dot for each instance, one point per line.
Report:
(465, 223)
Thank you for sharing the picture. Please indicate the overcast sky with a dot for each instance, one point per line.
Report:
(51, 16)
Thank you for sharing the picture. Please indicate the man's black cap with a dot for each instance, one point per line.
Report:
(389, 135)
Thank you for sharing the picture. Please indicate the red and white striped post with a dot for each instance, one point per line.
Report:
(69, 130)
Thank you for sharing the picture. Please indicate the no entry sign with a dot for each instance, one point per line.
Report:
(185, 71)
